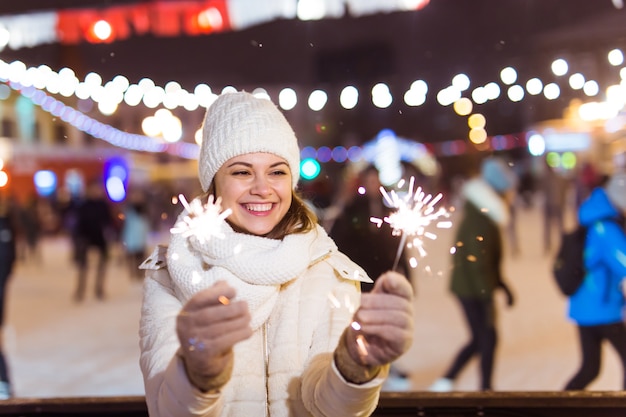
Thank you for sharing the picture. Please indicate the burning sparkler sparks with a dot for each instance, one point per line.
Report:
(413, 214)
(203, 221)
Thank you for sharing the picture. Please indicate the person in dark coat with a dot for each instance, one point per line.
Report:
(597, 307)
(8, 227)
(93, 220)
(477, 261)
(373, 248)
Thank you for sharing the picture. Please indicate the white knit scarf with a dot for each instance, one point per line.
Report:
(255, 266)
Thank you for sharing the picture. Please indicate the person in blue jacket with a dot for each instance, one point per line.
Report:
(597, 307)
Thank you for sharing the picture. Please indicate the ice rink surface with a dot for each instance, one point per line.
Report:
(58, 348)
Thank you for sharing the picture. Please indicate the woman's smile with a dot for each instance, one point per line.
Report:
(258, 188)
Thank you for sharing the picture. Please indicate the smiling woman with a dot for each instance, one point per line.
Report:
(242, 324)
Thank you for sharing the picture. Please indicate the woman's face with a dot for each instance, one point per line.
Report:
(257, 188)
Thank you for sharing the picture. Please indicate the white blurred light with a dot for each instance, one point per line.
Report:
(204, 94)
(172, 129)
(536, 144)
(107, 107)
(616, 57)
(170, 101)
(153, 97)
(190, 101)
(420, 86)
(102, 29)
(591, 88)
(5, 36)
(492, 90)
(616, 95)
(416, 95)
(577, 81)
(115, 189)
(146, 84)
(534, 86)
(53, 84)
(479, 95)
(317, 100)
(121, 82)
(287, 98)
(559, 67)
(15, 71)
(93, 79)
(597, 111)
(150, 126)
(461, 82)
(310, 10)
(551, 91)
(69, 84)
(515, 93)
(260, 92)
(414, 98)
(97, 93)
(381, 96)
(40, 76)
(508, 75)
(133, 95)
(448, 96)
(349, 97)
(172, 87)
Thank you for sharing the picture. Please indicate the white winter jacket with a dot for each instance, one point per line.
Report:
(285, 369)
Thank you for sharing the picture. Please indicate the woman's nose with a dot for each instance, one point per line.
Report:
(261, 186)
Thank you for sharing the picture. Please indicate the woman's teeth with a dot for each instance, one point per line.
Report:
(259, 207)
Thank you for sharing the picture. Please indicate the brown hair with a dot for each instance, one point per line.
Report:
(298, 219)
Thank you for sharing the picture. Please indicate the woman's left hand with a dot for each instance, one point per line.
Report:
(382, 329)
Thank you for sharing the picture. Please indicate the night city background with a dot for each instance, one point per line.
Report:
(116, 90)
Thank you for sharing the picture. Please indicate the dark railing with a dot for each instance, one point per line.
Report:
(413, 404)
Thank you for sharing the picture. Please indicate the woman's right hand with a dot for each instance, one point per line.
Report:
(208, 327)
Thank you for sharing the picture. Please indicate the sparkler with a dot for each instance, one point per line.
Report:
(203, 221)
(413, 214)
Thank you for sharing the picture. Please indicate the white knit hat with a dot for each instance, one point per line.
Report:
(616, 190)
(240, 123)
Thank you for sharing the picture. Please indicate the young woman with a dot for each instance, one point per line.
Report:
(269, 319)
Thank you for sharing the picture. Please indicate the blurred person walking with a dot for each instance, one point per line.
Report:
(555, 188)
(29, 230)
(93, 221)
(477, 263)
(135, 233)
(371, 247)
(8, 226)
(597, 307)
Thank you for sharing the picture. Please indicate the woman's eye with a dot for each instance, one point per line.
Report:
(279, 172)
(240, 173)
